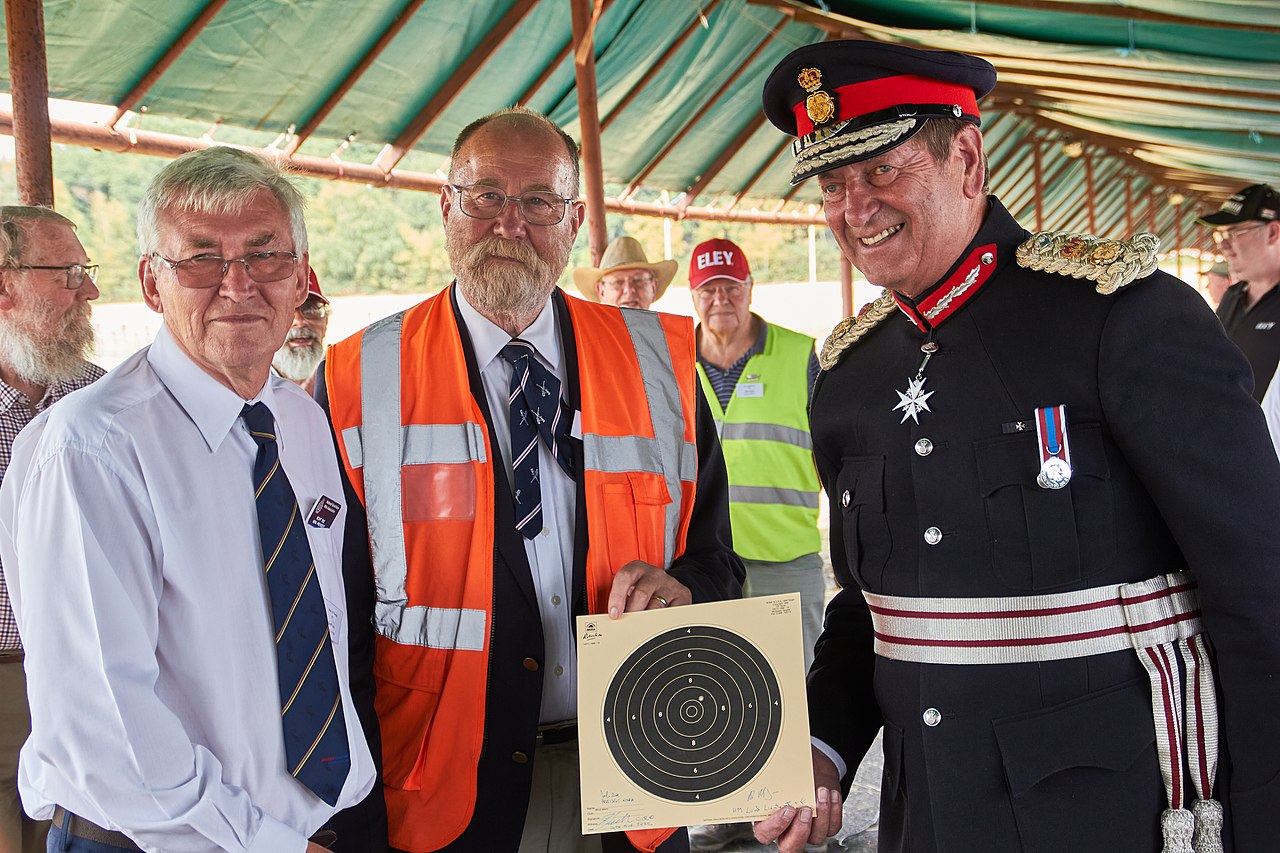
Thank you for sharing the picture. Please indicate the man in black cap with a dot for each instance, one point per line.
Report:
(1027, 488)
(1247, 231)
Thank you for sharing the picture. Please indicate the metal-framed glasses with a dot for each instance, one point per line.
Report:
(709, 292)
(639, 281)
(1222, 235)
(76, 273)
(537, 208)
(200, 271)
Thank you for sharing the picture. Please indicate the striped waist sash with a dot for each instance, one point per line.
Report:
(1159, 619)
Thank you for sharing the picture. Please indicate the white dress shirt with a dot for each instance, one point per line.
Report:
(129, 537)
(1271, 409)
(551, 551)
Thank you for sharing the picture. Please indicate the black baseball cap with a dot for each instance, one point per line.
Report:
(1258, 202)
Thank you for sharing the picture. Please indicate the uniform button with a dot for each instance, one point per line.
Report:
(531, 664)
(520, 757)
(555, 599)
(987, 257)
(932, 716)
(932, 536)
(844, 498)
(559, 670)
(924, 447)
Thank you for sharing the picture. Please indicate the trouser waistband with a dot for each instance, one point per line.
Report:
(90, 831)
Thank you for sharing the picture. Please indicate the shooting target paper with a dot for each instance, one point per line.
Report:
(693, 715)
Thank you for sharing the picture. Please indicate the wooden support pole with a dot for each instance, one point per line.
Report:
(29, 81)
(555, 62)
(171, 54)
(1039, 168)
(584, 69)
(846, 287)
(353, 76)
(1088, 189)
(1128, 203)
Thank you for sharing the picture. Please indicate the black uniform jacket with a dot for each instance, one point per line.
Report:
(708, 567)
(1173, 469)
(1255, 330)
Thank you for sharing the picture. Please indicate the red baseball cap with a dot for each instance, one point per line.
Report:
(313, 286)
(718, 258)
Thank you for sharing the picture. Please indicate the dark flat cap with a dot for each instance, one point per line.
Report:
(846, 101)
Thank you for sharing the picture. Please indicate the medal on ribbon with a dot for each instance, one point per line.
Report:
(1055, 453)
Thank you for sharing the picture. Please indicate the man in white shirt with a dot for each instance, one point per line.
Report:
(184, 697)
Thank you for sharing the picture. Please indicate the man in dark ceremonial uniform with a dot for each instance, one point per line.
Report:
(1039, 536)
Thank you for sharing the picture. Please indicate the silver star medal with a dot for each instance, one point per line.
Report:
(916, 400)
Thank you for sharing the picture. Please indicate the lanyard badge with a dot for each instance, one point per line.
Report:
(1055, 453)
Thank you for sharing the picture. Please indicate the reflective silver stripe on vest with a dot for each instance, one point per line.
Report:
(425, 444)
(618, 454)
(771, 495)
(677, 457)
(767, 432)
(433, 627)
(383, 445)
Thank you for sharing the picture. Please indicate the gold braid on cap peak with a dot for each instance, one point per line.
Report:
(848, 331)
(1111, 263)
(852, 144)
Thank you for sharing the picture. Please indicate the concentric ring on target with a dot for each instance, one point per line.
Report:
(693, 714)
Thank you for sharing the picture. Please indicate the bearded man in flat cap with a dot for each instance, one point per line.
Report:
(1050, 565)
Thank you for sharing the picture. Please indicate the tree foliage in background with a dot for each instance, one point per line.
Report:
(372, 240)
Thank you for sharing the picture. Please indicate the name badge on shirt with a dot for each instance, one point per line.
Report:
(323, 512)
(749, 389)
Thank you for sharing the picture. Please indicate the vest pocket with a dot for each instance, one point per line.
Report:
(860, 496)
(438, 491)
(1040, 538)
(410, 681)
(635, 506)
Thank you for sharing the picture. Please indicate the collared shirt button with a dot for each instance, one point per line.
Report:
(546, 531)
(924, 447)
(932, 536)
(520, 757)
(931, 717)
(555, 599)
(530, 664)
(845, 498)
(559, 670)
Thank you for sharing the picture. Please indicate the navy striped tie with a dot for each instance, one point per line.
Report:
(315, 729)
(536, 410)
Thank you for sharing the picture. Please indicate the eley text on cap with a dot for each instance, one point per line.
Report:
(718, 258)
(847, 101)
(1258, 202)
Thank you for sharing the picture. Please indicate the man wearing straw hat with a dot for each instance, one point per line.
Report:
(625, 278)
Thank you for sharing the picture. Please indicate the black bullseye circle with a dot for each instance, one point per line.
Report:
(693, 714)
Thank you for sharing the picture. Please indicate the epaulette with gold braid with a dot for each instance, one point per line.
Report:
(1110, 263)
(847, 332)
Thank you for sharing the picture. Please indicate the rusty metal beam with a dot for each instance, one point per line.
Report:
(657, 66)
(1039, 185)
(676, 137)
(560, 57)
(171, 54)
(103, 138)
(474, 61)
(768, 163)
(584, 70)
(29, 80)
(1089, 189)
(353, 76)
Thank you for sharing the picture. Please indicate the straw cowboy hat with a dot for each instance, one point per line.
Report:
(624, 253)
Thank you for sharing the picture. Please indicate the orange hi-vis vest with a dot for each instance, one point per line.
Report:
(416, 449)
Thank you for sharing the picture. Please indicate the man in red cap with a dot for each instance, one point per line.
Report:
(1035, 522)
(303, 348)
(756, 378)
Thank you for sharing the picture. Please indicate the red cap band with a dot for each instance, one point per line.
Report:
(860, 99)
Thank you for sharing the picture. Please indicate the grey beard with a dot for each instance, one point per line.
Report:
(507, 295)
(297, 364)
(41, 356)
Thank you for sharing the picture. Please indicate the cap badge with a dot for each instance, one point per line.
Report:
(820, 105)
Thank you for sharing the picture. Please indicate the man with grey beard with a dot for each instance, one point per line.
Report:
(515, 457)
(46, 285)
(303, 348)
